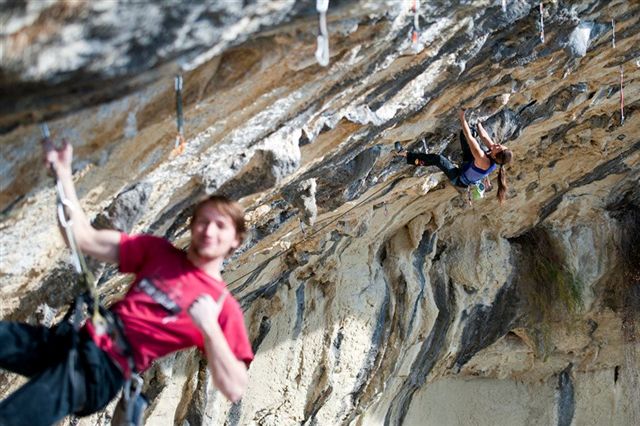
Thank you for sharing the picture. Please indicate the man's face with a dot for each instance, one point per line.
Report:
(213, 234)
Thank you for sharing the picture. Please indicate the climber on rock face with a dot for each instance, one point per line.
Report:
(178, 300)
(477, 164)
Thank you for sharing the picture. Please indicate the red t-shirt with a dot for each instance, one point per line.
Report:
(156, 328)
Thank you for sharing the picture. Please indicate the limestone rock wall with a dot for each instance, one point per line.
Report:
(373, 292)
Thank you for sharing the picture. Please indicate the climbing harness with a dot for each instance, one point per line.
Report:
(322, 51)
(180, 141)
(103, 320)
(541, 23)
(613, 33)
(415, 6)
(621, 95)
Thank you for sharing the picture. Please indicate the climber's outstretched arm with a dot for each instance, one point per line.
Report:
(481, 159)
(101, 244)
(484, 137)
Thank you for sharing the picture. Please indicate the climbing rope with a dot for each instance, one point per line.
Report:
(415, 33)
(621, 95)
(322, 51)
(541, 23)
(86, 278)
(180, 141)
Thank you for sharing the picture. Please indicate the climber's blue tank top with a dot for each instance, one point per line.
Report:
(472, 174)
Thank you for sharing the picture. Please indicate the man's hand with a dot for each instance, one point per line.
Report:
(59, 159)
(229, 374)
(461, 114)
(204, 312)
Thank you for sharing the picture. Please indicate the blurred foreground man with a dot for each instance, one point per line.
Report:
(178, 300)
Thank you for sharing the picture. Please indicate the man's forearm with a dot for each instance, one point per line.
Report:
(100, 244)
(228, 373)
(80, 222)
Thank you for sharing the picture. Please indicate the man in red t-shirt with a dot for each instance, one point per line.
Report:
(177, 300)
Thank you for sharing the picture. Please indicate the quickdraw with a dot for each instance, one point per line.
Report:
(621, 95)
(322, 51)
(180, 141)
(504, 6)
(415, 33)
(130, 409)
(541, 23)
(613, 33)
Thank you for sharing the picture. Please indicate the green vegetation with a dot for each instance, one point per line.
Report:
(551, 289)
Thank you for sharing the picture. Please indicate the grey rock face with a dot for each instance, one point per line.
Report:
(268, 167)
(303, 197)
(126, 209)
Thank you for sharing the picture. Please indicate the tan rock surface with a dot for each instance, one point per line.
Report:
(401, 304)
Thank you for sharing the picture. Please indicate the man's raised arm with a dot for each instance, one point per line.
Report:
(100, 244)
